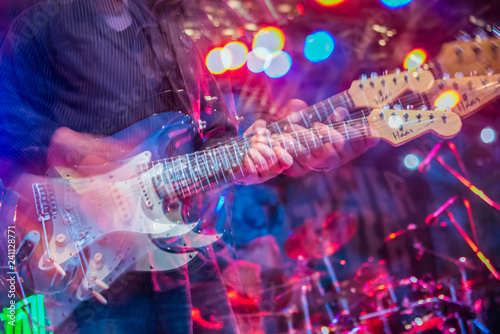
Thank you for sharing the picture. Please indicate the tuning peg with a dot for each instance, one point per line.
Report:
(100, 283)
(494, 49)
(446, 76)
(409, 107)
(490, 72)
(398, 107)
(398, 70)
(374, 75)
(386, 107)
(481, 34)
(363, 77)
(423, 108)
(459, 75)
(463, 36)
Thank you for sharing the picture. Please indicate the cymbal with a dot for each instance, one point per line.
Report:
(306, 242)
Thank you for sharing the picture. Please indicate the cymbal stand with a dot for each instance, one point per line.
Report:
(457, 315)
(336, 285)
(305, 306)
(322, 292)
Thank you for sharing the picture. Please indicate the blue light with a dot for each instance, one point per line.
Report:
(280, 64)
(220, 204)
(395, 4)
(488, 135)
(411, 161)
(319, 46)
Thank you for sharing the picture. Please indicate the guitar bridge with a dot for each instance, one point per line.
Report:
(45, 200)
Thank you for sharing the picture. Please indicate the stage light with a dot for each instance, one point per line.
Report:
(488, 135)
(411, 161)
(215, 62)
(279, 64)
(447, 100)
(238, 52)
(395, 4)
(270, 38)
(318, 46)
(258, 60)
(414, 59)
(329, 3)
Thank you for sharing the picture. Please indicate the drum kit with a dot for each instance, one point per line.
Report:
(373, 301)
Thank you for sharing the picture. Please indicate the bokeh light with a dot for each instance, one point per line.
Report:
(448, 99)
(270, 38)
(258, 60)
(238, 52)
(215, 63)
(414, 59)
(280, 63)
(395, 4)
(488, 135)
(411, 161)
(329, 3)
(318, 46)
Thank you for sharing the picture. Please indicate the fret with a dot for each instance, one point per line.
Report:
(304, 119)
(197, 157)
(296, 134)
(343, 99)
(223, 158)
(281, 133)
(312, 136)
(162, 175)
(325, 110)
(230, 160)
(293, 145)
(319, 135)
(194, 177)
(169, 179)
(247, 147)
(158, 180)
(329, 134)
(240, 156)
(331, 105)
(214, 165)
(305, 139)
(186, 179)
(317, 113)
(178, 179)
(366, 126)
(345, 128)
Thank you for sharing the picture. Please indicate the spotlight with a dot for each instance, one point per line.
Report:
(488, 135)
(329, 3)
(411, 161)
(238, 52)
(395, 4)
(270, 38)
(447, 100)
(318, 46)
(279, 65)
(217, 61)
(414, 59)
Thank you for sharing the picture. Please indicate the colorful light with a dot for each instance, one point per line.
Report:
(217, 61)
(238, 52)
(329, 3)
(343, 262)
(411, 161)
(318, 46)
(270, 38)
(488, 135)
(258, 60)
(448, 99)
(415, 58)
(279, 64)
(395, 4)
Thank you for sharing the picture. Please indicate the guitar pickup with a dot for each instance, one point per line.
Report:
(45, 200)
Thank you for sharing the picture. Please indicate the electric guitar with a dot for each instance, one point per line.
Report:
(80, 233)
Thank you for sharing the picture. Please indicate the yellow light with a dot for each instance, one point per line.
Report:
(329, 3)
(448, 99)
(270, 38)
(216, 61)
(238, 52)
(414, 59)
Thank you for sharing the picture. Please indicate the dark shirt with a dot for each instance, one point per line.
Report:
(64, 65)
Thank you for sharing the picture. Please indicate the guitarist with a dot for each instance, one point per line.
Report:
(73, 71)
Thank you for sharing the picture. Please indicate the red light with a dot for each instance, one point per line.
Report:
(414, 59)
(329, 3)
(300, 9)
(343, 262)
(448, 99)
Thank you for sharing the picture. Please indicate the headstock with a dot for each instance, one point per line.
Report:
(475, 92)
(377, 91)
(471, 56)
(400, 126)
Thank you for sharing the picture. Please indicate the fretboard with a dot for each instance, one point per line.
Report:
(185, 176)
